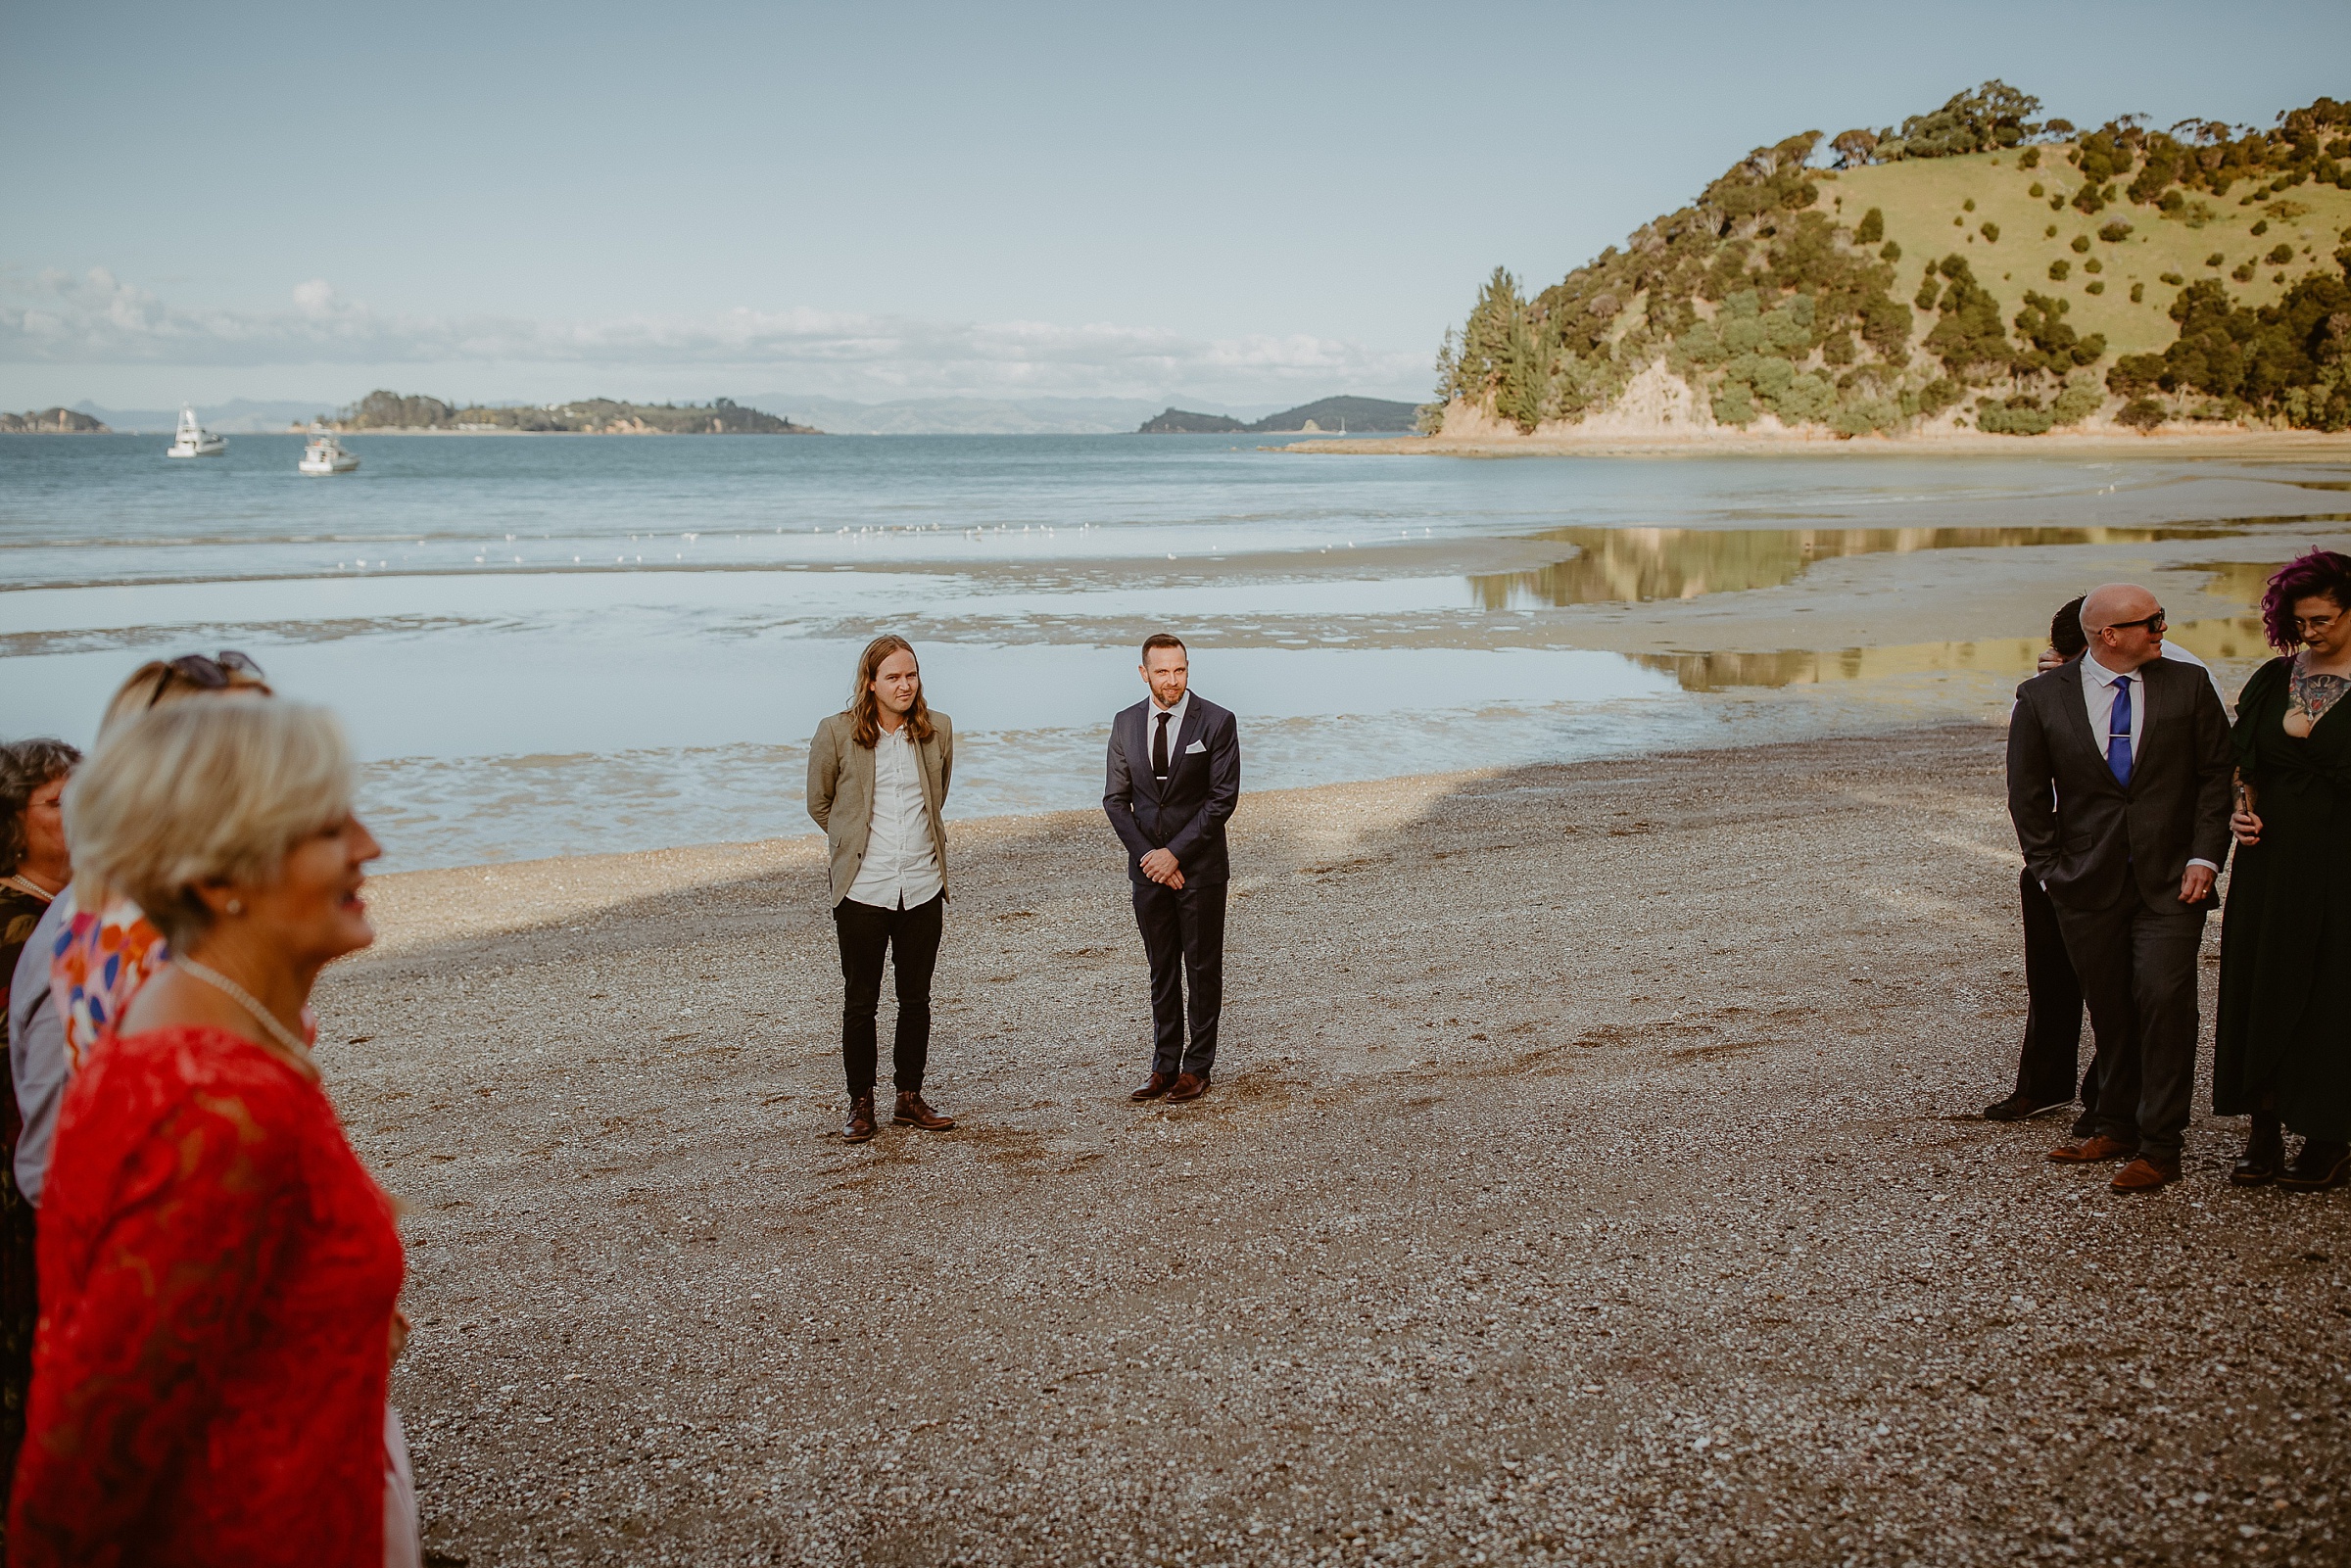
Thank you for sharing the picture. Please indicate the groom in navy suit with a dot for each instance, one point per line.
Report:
(1174, 778)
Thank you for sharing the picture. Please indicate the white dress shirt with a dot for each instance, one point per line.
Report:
(2098, 692)
(1151, 713)
(900, 868)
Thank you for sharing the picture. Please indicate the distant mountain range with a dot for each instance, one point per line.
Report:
(908, 416)
(1330, 414)
(241, 417)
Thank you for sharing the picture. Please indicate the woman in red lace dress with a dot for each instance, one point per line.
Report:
(219, 1275)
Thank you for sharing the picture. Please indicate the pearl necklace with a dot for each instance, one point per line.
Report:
(243, 998)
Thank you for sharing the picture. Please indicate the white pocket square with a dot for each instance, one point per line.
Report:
(1197, 745)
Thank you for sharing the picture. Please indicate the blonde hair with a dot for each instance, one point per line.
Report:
(153, 685)
(199, 791)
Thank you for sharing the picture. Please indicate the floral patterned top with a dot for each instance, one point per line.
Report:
(101, 961)
(219, 1275)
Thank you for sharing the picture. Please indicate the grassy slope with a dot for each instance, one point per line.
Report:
(1921, 197)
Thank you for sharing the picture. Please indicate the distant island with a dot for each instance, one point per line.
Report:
(1330, 416)
(52, 422)
(1977, 269)
(590, 416)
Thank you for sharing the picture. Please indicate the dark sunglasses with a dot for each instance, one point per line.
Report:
(213, 673)
(2153, 623)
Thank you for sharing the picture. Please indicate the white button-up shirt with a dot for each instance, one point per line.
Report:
(2098, 691)
(1174, 715)
(900, 868)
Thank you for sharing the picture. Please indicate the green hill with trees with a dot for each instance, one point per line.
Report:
(594, 417)
(52, 422)
(1976, 266)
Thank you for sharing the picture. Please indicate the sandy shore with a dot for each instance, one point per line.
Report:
(2174, 443)
(1592, 1174)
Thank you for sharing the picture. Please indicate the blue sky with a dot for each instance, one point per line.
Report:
(1208, 203)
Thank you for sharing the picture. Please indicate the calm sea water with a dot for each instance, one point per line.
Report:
(548, 645)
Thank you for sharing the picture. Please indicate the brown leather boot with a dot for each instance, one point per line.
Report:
(1187, 1086)
(911, 1112)
(860, 1126)
(2145, 1175)
(1153, 1086)
(2093, 1151)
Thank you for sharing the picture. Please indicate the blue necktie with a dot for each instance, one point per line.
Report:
(2118, 733)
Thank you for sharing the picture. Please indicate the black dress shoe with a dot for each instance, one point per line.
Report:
(2023, 1108)
(2319, 1166)
(2264, 1157)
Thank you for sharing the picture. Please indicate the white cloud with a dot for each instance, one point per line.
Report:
(94, 319)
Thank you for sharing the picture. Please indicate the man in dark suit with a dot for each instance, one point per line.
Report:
(2051, 1057)
(1174, 778)
(2118, 783)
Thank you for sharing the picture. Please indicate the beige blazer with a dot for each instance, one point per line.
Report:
(841, 793)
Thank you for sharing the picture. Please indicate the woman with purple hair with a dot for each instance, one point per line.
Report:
(2283, 1053)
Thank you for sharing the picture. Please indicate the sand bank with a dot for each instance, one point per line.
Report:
(1590, 1174)
(1715, 441)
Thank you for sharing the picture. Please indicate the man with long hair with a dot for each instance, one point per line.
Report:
(1174, 779)
(878, 776)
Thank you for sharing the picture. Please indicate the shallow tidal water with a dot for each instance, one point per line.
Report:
(548, 645)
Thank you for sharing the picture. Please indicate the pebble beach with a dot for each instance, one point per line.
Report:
(1593, 1174)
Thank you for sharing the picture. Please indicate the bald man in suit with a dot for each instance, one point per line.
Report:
(2119, 769)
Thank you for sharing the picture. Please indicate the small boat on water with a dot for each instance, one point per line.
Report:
(325, 456)
(193, 439)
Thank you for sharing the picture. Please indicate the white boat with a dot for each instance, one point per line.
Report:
(194, 440)
(325, 456)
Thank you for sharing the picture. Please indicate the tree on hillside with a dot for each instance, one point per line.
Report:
(2290, 360)
(1971, 336)
(1768, 179)
(1853, 148)
(1496, 357)
(2051, 345)
(1994, 115)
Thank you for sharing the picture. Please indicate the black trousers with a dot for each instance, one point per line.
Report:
(2138, 967)
(910, 936)
(2051, 1055)
(1183, 936)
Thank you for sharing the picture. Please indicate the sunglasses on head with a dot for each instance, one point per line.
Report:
(215, 674)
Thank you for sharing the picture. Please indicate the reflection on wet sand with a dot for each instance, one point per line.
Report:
(2213, 641)
(1634, 565)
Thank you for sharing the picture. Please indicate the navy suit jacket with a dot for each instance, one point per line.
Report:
(1187, 815)
(2090, 841)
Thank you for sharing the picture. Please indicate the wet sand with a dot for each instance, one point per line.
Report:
(1592, 1174)
(2104, 442)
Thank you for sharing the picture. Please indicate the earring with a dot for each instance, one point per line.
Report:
(236, 906)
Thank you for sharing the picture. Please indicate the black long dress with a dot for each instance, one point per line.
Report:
(2286, 940)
